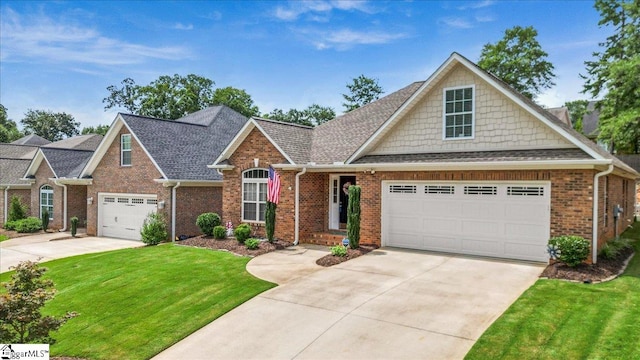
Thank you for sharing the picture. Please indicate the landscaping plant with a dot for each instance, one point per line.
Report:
(242, 233)
(74, 226)
(28, 225)
(572, 250)
(611, 249)
(353, 217)
(154, 229)
(339, 250)
(252, 243)
(219, 232)
(20, 319)
(207, 222)
(270, 220)
(17, 211)
(45, 220)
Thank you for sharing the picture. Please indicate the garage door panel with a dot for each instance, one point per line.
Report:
(439, 207)
(439, 226)
(481, 228)
(481, 246)
(405, 240)
(122, 215)
(526, 252)
(403, 205)
(441, 243)
(402, 224)
(528, 230)
(519, 212)
(481, 210)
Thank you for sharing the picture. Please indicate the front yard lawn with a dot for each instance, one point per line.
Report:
(134, 303)
(561, 320)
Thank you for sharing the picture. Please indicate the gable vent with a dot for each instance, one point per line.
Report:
(402, 189)
(525, 190)
(480, 190)
(439, 189)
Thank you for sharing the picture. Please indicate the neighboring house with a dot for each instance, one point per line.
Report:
(591, 120)
(633, 160)
(53, 175)
(561, 113)
(458, 163)
(144, 164)
(14, 161)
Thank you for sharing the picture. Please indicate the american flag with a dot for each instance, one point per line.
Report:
(273, 186)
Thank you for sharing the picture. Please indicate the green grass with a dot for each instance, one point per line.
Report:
(135, 303)
(560, 320)
(3, 238)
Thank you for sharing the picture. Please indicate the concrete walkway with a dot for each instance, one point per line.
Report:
(283, 266)
(50, 246)
(389, 304)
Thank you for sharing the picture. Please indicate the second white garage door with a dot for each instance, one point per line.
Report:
(506, 220)
(122, 215)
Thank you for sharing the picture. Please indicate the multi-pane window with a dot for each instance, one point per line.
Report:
(125, 150)
(254, 194)
(46, 200)
(458, 112)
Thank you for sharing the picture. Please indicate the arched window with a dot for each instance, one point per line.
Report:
(254, 194)
(46, 200)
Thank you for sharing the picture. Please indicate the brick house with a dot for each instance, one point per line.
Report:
(145, 165)
(458, 163)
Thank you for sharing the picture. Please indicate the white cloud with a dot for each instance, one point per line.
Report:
(316, 7)
(456, 22)
(476, 5)
(181, 26)
(38, 37)
(484, 18)
(344, 39)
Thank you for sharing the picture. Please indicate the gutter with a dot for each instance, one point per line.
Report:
(296, 236)
(64, 201)
(173, 211)
(594, 232)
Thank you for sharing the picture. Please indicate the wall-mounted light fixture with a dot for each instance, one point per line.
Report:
(89, 200)
(256, 161)
(161, 204)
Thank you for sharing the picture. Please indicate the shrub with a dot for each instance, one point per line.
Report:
(20, 317)
(10, 225)
(207, 221)
(242, 233)
(17, 211)
(270, 220)
(611, 249)
(154, 229)
(28, 225)
(74, 226)
(572, 250)
(339, 250)
(45, 219)
(252, 243)
(353, 217)
(219, 232)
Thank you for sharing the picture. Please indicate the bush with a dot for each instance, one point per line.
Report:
(17, 210)
(572, 250)
(219, 232)
(45, 219)
(252, 243)
(611, 249)
(353, 217)
(339, 250)
(28, 225)
(270, 220)
(242, 233)
(10, 225)
(154, 229)
(207, 221)
(74, 226)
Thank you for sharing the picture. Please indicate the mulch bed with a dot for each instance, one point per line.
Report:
(605, 269)
(232, 245)
(330, 260)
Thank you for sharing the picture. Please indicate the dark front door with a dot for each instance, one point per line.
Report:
(345, 182)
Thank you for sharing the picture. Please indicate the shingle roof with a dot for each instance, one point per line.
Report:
(183, 149)
(591, 119)
(15, 151)
(631, 160)
(66, 163)
(32, 139)
(12, 170)
(293, 139)
(561, 113)
(478, 156)
(80, 142)
(338, 139)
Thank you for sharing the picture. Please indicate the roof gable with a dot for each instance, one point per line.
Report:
(80, 142)
(31, 139)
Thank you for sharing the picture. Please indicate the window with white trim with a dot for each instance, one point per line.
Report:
(254, 194)
(458, 112)
(125, 150)
(46, 200)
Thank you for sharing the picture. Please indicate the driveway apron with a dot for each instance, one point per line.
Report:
(388, 304)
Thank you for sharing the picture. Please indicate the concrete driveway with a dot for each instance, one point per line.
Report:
(389, 304)
(50, 246)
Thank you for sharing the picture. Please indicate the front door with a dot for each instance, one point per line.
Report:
(338, 200)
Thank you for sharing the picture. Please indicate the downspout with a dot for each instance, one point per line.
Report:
(6, 206)
(64, 202)
(594, 235)
(173, 211)
(296, 237)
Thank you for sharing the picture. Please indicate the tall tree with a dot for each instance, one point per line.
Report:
(319, 114)
(8, 128)
(614, 73)
(577, 110)
(99, 130)
(518, 59)
(51, 126)
(313, 115)
(362, 90)
(237, 99)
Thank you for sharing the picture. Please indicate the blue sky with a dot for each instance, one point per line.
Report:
(62, 55)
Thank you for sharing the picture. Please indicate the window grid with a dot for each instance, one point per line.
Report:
(402, 189)
(254, 195)
(525, 191)
(439, 189)
(46, 200)
(125, 150)
(480, 190)
(458, 113)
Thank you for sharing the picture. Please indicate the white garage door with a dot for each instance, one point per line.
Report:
(506, 220)
(121, 215)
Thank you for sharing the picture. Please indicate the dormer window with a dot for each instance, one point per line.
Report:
(458, 112)
(125, 150)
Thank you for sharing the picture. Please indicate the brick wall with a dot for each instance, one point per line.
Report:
(23, 194)
(110, 177)
(618, 191)
(193, 201)
(42, 176)
(77, 204)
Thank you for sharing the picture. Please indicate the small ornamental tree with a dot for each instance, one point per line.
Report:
(74, 226)
(353, 217)
(270, 220)
(154, 229)
(17, 211)
(45, 220)
(20, 319)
